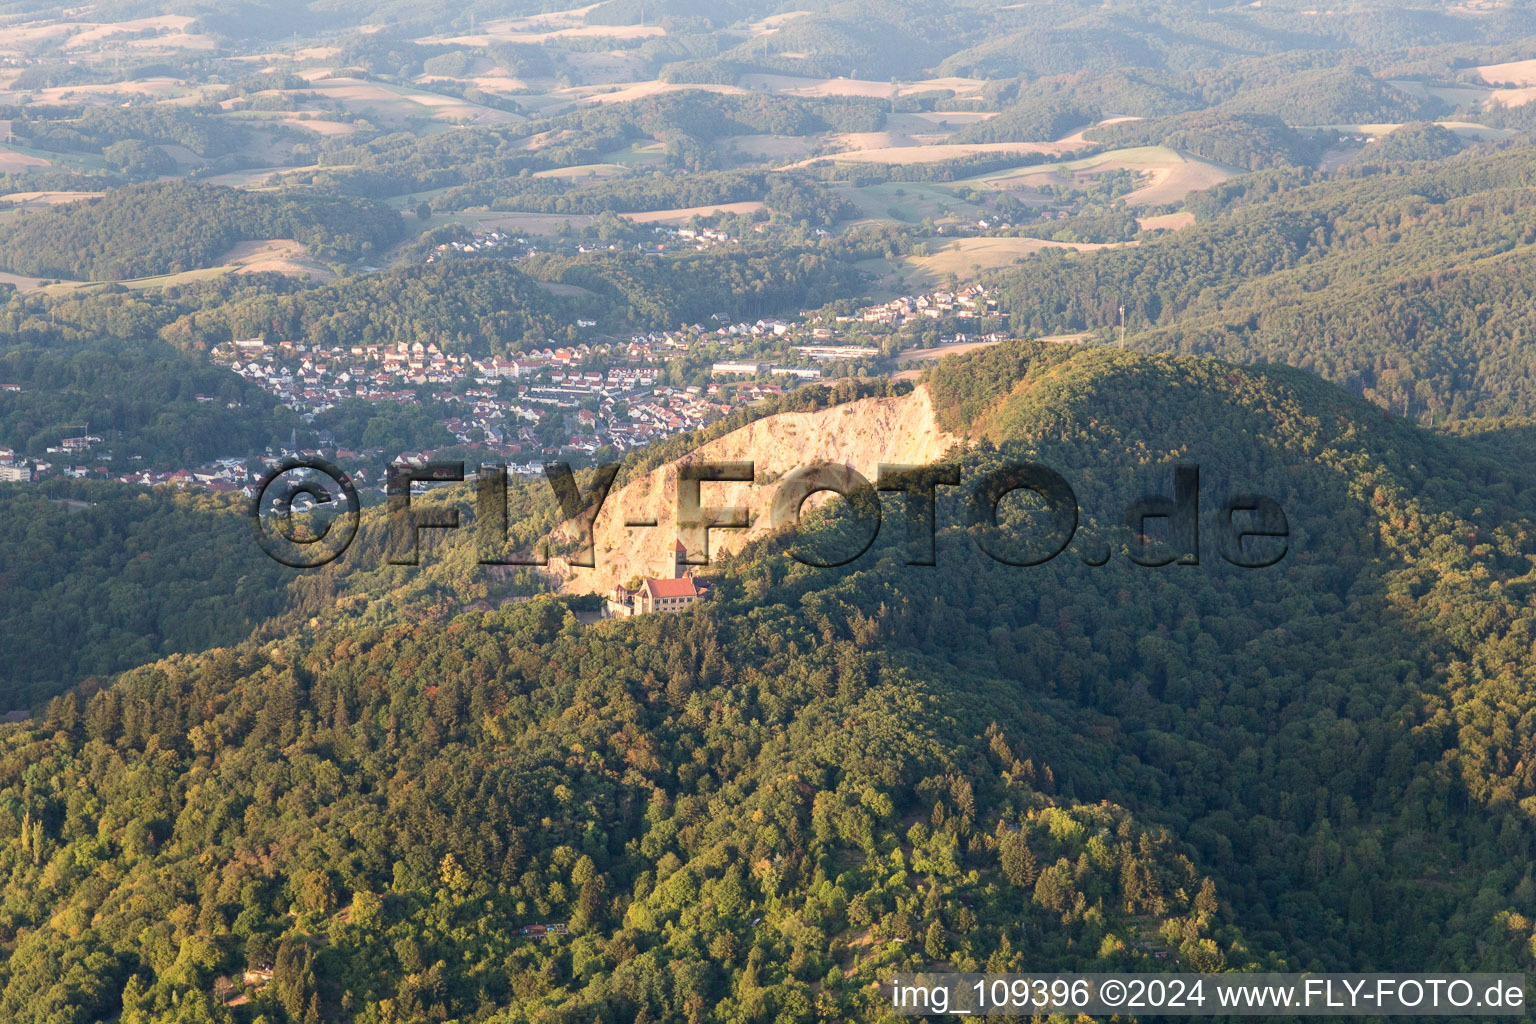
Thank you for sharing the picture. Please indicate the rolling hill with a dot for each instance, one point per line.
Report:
(763, 805)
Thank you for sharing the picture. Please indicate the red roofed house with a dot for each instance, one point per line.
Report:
(655, 596)
(658, 595)
(667, 595)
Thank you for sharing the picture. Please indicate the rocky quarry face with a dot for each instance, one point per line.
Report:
(860, 435)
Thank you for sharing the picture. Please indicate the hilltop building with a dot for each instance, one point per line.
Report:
(681, 591)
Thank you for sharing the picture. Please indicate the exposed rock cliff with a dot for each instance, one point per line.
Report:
(860, 435)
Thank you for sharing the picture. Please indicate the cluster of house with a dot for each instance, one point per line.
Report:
(74, 445)
(748, 368)
(538, 931)
(14, 469)
(18, 469)
(702, 238)
(542, 402)
(222, 475)
(964, 304)
(312, 378)
(999, 223)
(503, 245)
(483, 242)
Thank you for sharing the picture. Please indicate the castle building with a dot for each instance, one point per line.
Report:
(658, 595)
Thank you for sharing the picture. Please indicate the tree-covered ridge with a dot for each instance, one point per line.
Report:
(1406, 286)
(1333, 96)
(466, 305)
(171, 407)
(1050, 108)
(441, 793)
(1404, 543)
(1247, 141)
(490, 306)
(169, 227)
(740, 810)
(95, 129)
(1418, 140)
(797, 197)
(660, 817)
(483, 164)
(105, 577)
(743, 282)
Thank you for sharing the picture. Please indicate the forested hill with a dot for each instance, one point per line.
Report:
(760, 806)
(168, 227)
(1411, 284)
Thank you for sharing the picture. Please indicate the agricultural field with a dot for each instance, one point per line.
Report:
(969, 258)
(1163, 175)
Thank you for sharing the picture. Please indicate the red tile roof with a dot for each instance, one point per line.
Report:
(673, 588)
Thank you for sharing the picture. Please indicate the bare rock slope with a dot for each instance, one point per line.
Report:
(860, 435)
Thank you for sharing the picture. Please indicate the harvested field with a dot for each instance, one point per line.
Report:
(584, 172)
(397, 102)
(1166, 221)
(158, 88)
(1171, 184)
(20, 283)
(140, 35)
(790, 85)
(769, 148)
(521, 223)
(1167, 175)
(505, 32)
(12, 162)
(1466, 129)
(683, 216)
(774, 22)
(964, 256)
(327, 129)
(275, 255)
(1512, 97)
(1516, 72)
(909, 201)
(641, 90)
(33, 200)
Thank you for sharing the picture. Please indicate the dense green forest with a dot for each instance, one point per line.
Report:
(480, 166)
(106, 576)
(168, 227)
(488, 305)
(377, 808)
(1049, 108)
(140, 398)
(1412, 142)
(743, 283)
(95, 129)
(797, 197)
(1409, 285)
(103, 577)
(480, 305)
(1247, 141)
